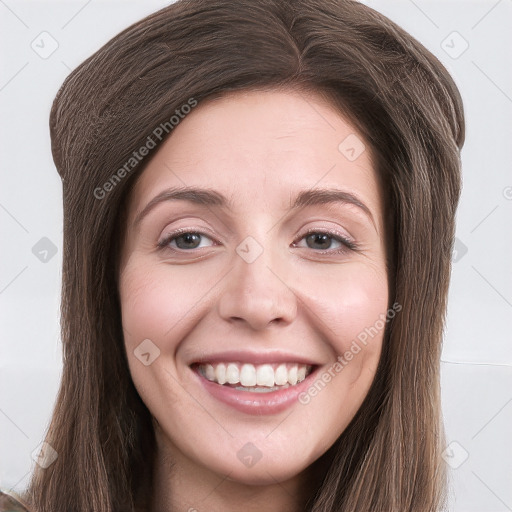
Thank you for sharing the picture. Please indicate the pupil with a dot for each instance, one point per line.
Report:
(321, 238)
(189, 239)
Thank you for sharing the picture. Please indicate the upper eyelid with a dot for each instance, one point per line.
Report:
(329, 231)
(167, 238)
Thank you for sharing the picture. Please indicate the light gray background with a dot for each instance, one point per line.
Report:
(477, 354)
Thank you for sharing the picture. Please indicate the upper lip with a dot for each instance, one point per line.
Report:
(253, 358)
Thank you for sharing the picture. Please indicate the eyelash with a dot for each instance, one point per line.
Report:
(348, 245)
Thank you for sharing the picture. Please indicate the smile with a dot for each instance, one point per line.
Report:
(257, 378)
(259, 389)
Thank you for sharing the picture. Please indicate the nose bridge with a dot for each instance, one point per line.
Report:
(255, 292)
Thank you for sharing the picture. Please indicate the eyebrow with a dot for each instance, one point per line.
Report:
(210, 197)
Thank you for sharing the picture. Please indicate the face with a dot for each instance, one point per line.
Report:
(252, 307)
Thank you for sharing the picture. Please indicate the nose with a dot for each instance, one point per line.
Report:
(257, 295)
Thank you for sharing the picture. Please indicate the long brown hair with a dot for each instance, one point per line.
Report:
(407, 106)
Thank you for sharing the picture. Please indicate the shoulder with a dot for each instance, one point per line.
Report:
(8, 503)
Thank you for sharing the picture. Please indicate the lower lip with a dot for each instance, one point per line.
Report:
(249, 402)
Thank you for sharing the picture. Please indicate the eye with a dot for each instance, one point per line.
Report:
(186, 239)
(183, 240)
(323, 240)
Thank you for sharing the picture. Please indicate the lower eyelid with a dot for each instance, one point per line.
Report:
(341, 242)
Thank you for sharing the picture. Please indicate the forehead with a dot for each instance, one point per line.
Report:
(260, 148)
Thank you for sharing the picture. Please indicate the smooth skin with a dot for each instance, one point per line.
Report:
(303, 295)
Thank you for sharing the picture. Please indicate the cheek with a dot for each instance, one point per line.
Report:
(155, 302)
(352, 308)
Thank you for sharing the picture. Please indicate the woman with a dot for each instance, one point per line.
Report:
(255, 370)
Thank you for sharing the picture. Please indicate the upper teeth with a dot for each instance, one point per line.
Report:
(255, 375)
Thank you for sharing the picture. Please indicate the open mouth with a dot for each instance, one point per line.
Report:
(256, 378)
